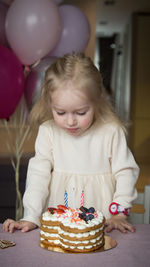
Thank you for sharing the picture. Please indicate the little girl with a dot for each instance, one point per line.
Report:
(80, 148)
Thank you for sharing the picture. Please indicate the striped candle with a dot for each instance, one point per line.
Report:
(82, 199)
(66, 199)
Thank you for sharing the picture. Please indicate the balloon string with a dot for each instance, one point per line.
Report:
(27, 68)
(35, 64)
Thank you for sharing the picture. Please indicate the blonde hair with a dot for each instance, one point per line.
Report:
(82, 72)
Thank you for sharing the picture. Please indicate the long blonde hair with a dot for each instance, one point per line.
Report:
(82, 72)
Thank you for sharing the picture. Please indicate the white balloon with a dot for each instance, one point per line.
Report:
(33, 28)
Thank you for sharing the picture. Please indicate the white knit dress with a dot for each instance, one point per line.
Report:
(98, 162)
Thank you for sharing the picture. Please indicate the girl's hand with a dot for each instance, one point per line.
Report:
(119, 222)
(10, 225)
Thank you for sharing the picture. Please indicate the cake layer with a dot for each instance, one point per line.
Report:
(49, 230)
(73, 249)
(81, 240)
(81, 228)
(72, 236)
(81, 236)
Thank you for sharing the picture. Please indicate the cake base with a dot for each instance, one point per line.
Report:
(109, 244)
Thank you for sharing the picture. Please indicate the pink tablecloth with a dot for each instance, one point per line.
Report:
(133, 250)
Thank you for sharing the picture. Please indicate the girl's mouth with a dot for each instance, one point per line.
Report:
(72, 130)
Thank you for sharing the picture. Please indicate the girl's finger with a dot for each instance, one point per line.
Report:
(121, 228)
(6, 224)
(129, 227)
(109, 228)
(11, 227)
(25, 229)
(14, 225)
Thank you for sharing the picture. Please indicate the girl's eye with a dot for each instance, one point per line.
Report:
(81, 113)
(60, 113)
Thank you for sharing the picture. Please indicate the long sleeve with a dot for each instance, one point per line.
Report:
(38, 176)
(124, 170)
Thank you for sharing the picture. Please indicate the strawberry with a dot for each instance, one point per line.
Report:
(52, 210)
(62, 207)
(60, 211)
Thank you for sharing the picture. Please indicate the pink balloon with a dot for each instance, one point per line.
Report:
(11, 82)
(32, 28)
(75, 31)
(35, 80)
(3, 12)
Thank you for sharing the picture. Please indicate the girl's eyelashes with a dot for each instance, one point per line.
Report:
(78, 113)
(81, 113)
(60, 113)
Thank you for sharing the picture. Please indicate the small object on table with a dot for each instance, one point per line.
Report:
(6, 244)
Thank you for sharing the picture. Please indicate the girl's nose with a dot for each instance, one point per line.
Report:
(71, 120)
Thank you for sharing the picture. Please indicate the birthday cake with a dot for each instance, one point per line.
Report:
(72, 230)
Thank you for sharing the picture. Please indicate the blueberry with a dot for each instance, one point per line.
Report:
(82, 216)
(90, 216)
(83, 209)
(86, 219)
(91, 210)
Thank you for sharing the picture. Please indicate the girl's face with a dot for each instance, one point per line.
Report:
(71, 109)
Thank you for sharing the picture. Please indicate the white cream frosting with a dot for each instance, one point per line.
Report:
(67, 219)
(95, 241)
(82, 247)
(80, 235)
(46, 234)
(51, 227)
(72, 235)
